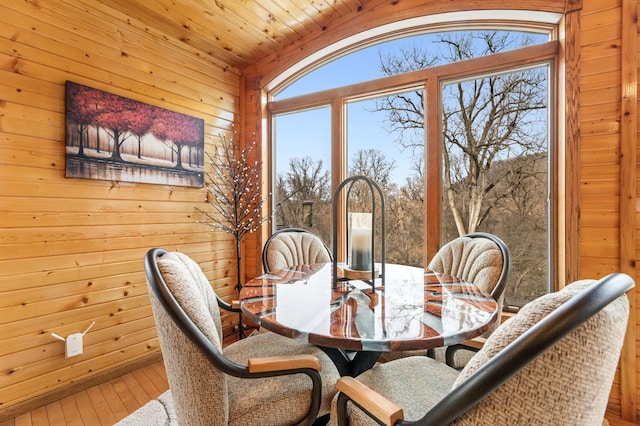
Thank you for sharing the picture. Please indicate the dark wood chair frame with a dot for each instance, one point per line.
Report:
(495, 294)
(517, 354)
(285, 230)
(206, 347)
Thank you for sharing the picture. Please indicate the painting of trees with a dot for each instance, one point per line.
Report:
(114, 138)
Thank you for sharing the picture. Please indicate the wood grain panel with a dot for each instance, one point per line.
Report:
(71, 250)
(159, 77)
(239, 32)
(134, 49)
(601, 34)
(598, 97)
(607, 71)
(592, 52)
(598, 266)
(628, 191)
(600, 218)
(604, 112)
(598, 80)
(74, 247)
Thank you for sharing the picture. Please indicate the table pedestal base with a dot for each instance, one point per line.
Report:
(351, 363)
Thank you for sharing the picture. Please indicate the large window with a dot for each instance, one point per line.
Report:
(373, 151)
(302, 165)
(495, 167)
(455, 128)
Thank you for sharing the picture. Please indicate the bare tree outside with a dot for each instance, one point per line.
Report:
(305, 180)
(406, 210)
(404, 207)
(495, 142)
(373, 164)
(495, 145)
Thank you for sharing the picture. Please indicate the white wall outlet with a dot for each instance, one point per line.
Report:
(73, 345)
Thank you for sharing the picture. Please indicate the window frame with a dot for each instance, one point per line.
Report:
(431, 80)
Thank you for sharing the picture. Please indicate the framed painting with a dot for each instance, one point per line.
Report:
(110, 137)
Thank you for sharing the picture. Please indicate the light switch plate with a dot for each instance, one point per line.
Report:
(73, 345)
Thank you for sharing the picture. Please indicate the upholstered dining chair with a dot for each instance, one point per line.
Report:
(289, 247)
(483, 259)
(480, 258)
(265, 379)
(551, 364)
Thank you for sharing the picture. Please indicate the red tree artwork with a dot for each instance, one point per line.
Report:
(82, 112)
(178, 129)
(144, 143)
(141, 124)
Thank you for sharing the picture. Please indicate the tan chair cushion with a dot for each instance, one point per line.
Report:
(567, 385)
(477, 260)
(202, 395)
(571, 381)
(274, 394)
(194, 383)
(295, 248)
(415, 383)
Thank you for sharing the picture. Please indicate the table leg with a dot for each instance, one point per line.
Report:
(351, 363)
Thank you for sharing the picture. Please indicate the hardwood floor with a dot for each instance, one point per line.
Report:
(109, 402)
(618, 422)
(104, 404)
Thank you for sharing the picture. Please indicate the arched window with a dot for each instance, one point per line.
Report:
(453, 123)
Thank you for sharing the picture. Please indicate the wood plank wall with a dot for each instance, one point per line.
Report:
(628, 198)
(607, 165)
(71, 250)
(632, 401)
(631, 117)
(604, 232)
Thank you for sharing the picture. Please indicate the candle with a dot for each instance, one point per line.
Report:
(360, 249)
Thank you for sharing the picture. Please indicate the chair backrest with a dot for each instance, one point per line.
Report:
(292, 247)
(480, 258)
(187, 319)
(552, 363)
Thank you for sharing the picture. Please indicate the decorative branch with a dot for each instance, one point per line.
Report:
(234, 193)
(234, 190)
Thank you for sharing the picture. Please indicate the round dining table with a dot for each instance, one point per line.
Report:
(354, 321)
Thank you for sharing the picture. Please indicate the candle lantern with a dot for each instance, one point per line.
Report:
(307, 213)
(359, 241)
(360, 234)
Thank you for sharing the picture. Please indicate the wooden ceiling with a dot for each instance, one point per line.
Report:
(238, 32)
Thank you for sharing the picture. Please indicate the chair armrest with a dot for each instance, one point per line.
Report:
(371, 401)
(279, 363)
(292, 364)
(234, 306)
(475, 343)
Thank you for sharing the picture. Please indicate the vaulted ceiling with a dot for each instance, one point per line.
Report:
(239, 32)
